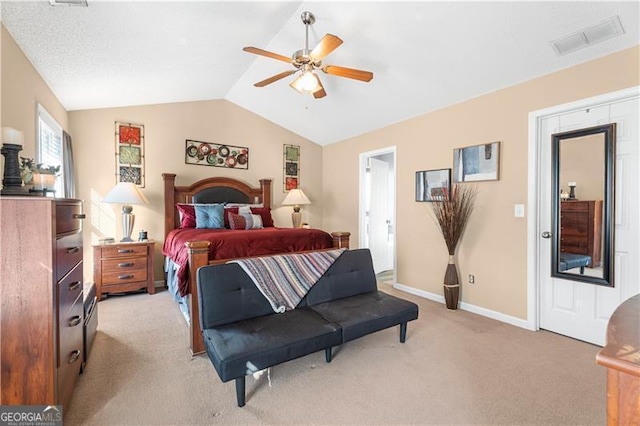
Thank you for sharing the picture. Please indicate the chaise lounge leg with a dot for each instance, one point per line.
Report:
(327, 354)
(240, 391)
(403, 332)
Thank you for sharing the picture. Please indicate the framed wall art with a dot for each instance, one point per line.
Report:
(217, 155)
(432, 185)
(130, 153)
(291, 167)
(477, 163)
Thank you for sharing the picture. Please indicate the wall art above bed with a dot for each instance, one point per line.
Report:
(130, 153)
(291, 167)
(217, 155)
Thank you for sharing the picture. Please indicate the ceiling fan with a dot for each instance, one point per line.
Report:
(307, 61)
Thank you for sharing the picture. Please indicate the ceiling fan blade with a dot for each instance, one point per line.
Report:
(268, 54)
(319, 92)
(274, 78)
(328, 44)
(348, 72)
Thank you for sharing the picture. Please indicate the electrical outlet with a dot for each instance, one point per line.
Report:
(472, 279)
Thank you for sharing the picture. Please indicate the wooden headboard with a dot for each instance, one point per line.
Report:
(210, 190)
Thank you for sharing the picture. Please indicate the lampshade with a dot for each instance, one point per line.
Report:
(295, 197)
(126, 193)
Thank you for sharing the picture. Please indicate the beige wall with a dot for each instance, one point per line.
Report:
(22, 89)
(494, 247)
(166, 128)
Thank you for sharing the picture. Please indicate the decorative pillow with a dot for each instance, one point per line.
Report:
(187, 215)
(264, 212)
(254, 221)
(209, 216)
(244, 221)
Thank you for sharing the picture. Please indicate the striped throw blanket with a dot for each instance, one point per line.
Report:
(286, 278)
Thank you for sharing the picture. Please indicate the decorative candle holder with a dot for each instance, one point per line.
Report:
(572, 190)
(12, 182)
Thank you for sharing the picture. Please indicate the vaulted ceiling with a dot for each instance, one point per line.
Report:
(424, 55)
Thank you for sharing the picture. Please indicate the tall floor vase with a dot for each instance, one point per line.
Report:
(451, 284)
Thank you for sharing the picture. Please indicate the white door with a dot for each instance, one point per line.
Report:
(379, 220)
(572, 308)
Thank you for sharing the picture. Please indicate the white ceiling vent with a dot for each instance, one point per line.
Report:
(588, 36)
(82, 3)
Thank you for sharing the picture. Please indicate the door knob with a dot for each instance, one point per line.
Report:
(546, 234)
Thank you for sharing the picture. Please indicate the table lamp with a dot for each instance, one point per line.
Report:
(126, 193)
(294, 198)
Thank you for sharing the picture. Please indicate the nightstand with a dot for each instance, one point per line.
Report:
(122, 267)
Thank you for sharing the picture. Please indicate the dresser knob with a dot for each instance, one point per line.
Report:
(125, 251)
(125, 264)
(74, 286)
(75, 321)
(79, 216)
(73, 250)
(125, 277)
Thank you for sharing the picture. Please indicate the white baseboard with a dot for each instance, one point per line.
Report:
(518, 322)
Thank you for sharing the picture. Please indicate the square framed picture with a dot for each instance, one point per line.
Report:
(477, 163)
(130, 153)
(291, 167)
(432, 185)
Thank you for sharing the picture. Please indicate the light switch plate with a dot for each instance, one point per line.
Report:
(518, 210)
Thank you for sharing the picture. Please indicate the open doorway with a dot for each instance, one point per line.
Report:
(377, 210)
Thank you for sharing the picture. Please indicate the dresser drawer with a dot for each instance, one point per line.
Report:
(70, 333)
(69, 289)
(68, 254)
(69, 351)
(574, 206)
(68, 217)
(124, 251)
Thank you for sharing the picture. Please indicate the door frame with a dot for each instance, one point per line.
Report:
(364, 156)
(533, 231)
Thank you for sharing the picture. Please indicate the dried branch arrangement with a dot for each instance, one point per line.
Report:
(452, 212)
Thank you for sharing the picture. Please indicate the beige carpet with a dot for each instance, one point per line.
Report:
(455, 368)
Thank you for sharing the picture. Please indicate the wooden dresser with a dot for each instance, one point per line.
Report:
(621, 356)
(121, 267)
(581, 229)
(41, 296)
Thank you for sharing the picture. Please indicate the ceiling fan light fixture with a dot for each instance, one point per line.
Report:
(308, 61)
(309, 81)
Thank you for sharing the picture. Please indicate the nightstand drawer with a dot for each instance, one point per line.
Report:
(122, 277)
(123, 250)
(123, 265)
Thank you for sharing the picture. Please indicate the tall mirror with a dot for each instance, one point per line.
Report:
(583, 192)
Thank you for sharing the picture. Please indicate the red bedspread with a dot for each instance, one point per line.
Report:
(233, 244)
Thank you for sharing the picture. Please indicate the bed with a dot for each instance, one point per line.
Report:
(188, 249)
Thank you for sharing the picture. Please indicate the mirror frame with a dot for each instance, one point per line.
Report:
(608, 225)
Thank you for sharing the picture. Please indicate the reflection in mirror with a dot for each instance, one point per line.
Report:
(583, 205)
